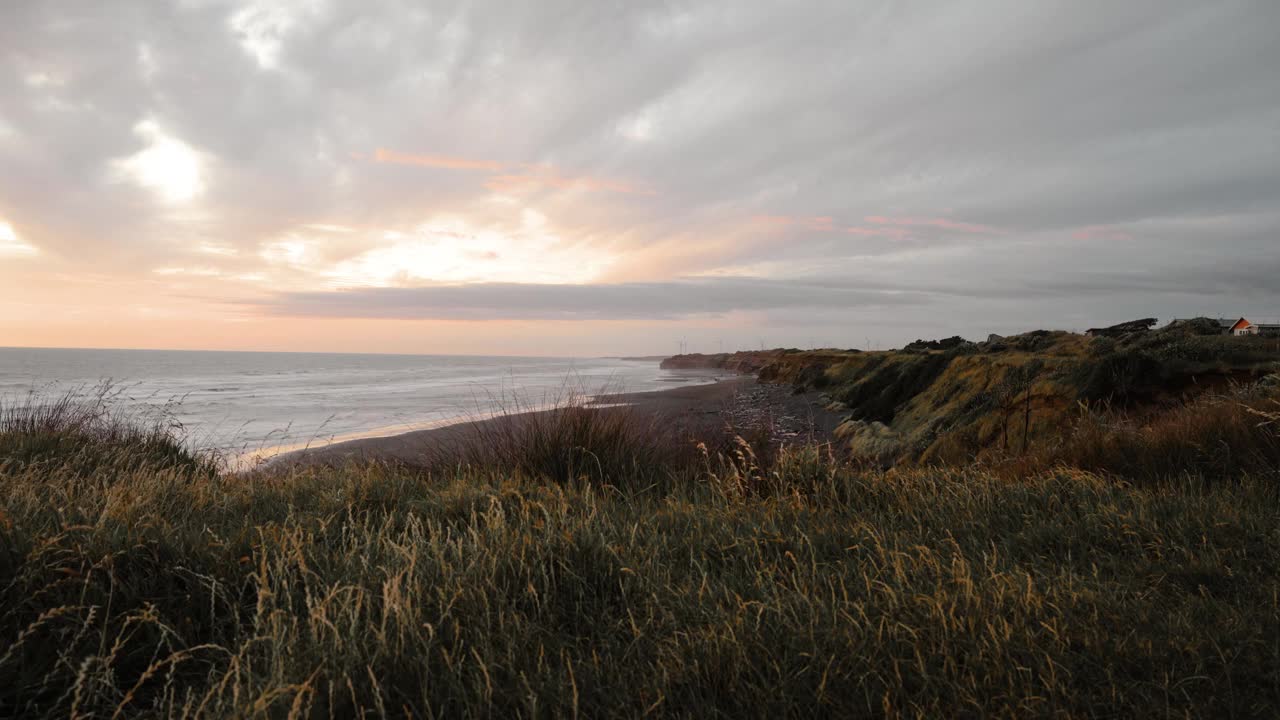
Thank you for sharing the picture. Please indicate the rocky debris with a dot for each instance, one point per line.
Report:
(766, 407)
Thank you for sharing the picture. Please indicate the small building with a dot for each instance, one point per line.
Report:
(1263, 329)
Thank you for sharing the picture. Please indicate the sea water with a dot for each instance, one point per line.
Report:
(242, 402)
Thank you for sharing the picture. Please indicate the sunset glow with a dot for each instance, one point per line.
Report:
(10, 244)
(639, 359)
(272, 179)
(168, 167)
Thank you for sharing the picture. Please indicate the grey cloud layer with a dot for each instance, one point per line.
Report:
(616, 301)
(693, 297)
(1160, 117)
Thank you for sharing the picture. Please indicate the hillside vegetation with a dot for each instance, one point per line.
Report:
(582, 568)
(956, 402)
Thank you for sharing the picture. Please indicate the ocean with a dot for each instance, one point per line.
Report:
(250, 402)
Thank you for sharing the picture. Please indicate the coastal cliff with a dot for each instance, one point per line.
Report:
(954, 402)
(748, 362)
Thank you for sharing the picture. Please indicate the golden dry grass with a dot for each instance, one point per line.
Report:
(572, 565)
(799, 587)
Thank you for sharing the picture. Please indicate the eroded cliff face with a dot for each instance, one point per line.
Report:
(1002, 396)
(773, 366)
(740, 362)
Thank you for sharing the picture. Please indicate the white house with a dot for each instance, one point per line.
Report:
(1264, 329)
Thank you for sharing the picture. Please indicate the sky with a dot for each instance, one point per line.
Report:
(591, 178)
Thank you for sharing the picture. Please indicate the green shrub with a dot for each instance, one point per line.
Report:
(1102, 346)
(1119, 377)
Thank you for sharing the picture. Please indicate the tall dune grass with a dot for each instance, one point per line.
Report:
(741, 586)
(1216, 437)
(578, 441)
(82, 433)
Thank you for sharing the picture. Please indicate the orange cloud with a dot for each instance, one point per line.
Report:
(511, 178)
(532, 181)
(446, 162)
(943, 223)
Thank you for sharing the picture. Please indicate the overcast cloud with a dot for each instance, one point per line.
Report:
(978, 166)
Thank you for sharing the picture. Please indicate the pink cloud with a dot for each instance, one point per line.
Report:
(942, 223)
(880, 225)
(890, 232)
(823, 223)
(1101, 232)
(811, 223)
(446, 162)
(772, 221)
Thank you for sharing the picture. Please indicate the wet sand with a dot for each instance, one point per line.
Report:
(690, 411)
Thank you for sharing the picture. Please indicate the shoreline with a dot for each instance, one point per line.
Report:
(265, 455)
(693, 410)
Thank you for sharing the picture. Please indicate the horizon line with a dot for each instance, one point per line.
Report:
(316, 352)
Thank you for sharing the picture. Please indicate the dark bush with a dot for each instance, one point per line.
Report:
(1120, 377)
(1103, 346)
(1034, 341)
(943, 344)
(1198, 326)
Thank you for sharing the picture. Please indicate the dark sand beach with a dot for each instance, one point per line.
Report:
(690, 411)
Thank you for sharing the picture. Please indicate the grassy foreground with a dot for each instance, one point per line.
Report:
(156, 587)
